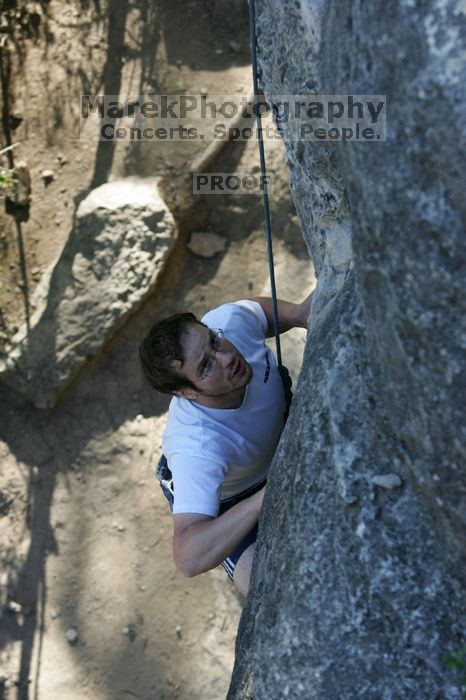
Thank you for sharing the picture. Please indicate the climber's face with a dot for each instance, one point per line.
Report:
(215, 366)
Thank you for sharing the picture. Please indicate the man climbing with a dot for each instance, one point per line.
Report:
(224, 423)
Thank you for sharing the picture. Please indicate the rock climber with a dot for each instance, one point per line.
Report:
(224, 423)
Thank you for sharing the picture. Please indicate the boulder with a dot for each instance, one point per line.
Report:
(359, 581)
(122, 235)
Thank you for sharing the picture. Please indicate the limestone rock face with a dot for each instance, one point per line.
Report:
(122, 236)
(359, 583)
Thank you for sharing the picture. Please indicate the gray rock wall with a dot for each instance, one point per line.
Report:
(359, 582)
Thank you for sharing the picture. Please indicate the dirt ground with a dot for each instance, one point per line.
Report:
(92, 605)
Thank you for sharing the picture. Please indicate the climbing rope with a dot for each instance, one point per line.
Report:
(284, 374)
(268, 230)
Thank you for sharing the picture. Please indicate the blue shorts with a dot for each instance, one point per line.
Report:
(229, 562)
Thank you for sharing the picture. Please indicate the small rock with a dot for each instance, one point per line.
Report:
(54, 613)
(234, 46)
(218, 51)
(295, 220)
(93, 40)
(71, 635)
(48, 176)
(139, 417)
(204, 91)
(121, 528)
(234, 209)
(14, 120)
(206, 245)
(130, 632)
(178, 631)
(14, 607)
(387, 481)
(61, 158)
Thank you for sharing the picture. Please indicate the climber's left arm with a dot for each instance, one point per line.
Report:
(290, 315)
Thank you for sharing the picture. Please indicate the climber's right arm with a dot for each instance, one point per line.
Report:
(201, 543)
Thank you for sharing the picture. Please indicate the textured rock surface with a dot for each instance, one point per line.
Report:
(359, 591)
(122, 236)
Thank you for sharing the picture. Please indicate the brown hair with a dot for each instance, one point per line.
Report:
(160, 347)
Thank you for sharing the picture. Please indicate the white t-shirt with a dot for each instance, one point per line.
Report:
(216, 453)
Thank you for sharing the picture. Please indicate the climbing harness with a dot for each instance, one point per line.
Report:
(283, 371)
(163, 472)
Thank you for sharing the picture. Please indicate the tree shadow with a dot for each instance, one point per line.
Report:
(112, 77)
